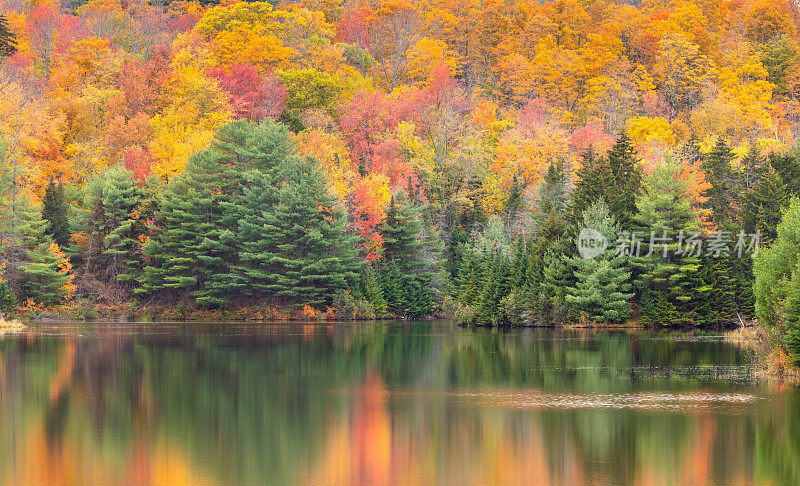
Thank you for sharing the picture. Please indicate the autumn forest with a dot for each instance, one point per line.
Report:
(367, 159)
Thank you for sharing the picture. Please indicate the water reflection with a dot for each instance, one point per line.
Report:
(398, 403)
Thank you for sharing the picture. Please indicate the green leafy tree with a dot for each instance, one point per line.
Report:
(778, 56)
(777, 281)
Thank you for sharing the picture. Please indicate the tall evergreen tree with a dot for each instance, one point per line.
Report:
(21, 227)
(8, 41)
(666, 261)
(195, 253)
(724, 183)
(593, 180)
(602, 288)
(47, 277)
(56, 213)
(615, 178)
(556, 278)
(297, 251)
(626, 173)
(404, 254)
(788, 167)
(120, 199)
(763, 204)
(371, 290)
(401, 232)
(552, 195)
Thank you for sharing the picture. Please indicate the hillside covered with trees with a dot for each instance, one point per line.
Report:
(363, 159)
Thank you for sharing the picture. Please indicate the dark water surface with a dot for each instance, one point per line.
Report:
(389, 403)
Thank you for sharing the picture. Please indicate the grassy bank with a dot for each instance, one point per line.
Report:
(771, 361)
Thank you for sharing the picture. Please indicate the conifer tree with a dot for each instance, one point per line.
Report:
(56, 213)
(626, 174)
(189, 216)
(763, 204)
(602, 290)
(403, 247)
(400, 231)
(615, 178)
(371, 290)
(788, 167)
(470, 277)
(120, 198)
(8, 41)
(666, 261)
(392, 288)
(514, 201)
(753, 168)
(594, 180)
(724, 294)
(556, 278)
(47, 277)
(699, 306)
(297, 251)
(553, 191)
(724, 184)
(195, 253)
(21, 227)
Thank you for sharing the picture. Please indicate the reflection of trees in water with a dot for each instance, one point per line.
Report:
(362, 403)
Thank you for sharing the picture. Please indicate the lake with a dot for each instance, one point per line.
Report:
(386, 403)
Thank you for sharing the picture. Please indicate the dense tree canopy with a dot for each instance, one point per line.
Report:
(398, 158)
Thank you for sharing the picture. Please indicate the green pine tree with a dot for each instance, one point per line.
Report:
(470, 277)
(196, 252)
(46, 277)
(602, 288)
(763, 205)
(406, 251)
(21, 227)
(371, 290)
(8, 41)
(56, 213)
(615, 178)
(788, 167)
(120, 198)
(725, 185)
(297, 251)
(497, 285)
(665, 264)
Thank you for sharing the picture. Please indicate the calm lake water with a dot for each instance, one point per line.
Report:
(388, 403)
